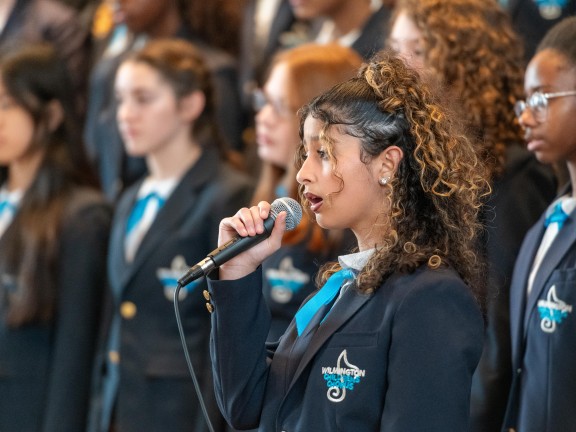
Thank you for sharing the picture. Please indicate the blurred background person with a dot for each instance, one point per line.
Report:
(265, 27)
(54, 22)
(469, 47)
(163, 224)
(543, 322)
(533, 18)
(296, 76)
(54, 228)
(146, 20)
(358, 24)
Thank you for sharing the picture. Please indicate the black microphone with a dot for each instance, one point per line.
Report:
(239, 244)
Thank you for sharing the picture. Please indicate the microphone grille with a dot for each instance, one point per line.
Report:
(291, 207)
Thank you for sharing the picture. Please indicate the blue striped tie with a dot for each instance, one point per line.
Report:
(140, 208)
(324, 296)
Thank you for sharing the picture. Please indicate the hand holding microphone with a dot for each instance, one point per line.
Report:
(245, 231)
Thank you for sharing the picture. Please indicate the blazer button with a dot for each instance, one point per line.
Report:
(114, 357)
(128, 310)
(210, 307)
(206, 295)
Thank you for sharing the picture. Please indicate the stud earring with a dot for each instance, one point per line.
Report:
(384, 181)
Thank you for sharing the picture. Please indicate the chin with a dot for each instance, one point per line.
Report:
(326, 224)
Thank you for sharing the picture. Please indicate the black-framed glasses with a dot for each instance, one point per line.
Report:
(280, 109)
(538, 103)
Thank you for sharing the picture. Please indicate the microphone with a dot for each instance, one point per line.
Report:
(239, 244)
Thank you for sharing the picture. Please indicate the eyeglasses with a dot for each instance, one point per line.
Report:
(538, 104)
(280, 109)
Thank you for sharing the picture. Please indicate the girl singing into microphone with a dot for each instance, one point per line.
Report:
(391, 339)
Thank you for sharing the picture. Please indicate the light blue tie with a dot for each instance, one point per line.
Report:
(324, 296)
(140, 207)
(6, 205)
(557, 215)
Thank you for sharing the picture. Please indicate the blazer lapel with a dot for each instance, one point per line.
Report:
(174, 212)
(117, 265)
(350, 302)
(520, 282)
(562, 243)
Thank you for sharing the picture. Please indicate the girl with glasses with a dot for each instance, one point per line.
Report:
(543, 290)
(469, 47)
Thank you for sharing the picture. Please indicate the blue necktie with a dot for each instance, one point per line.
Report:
(6, 205)
(557, 215)
(322, 297)
(140, 207)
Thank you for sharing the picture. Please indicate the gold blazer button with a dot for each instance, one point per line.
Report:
(128, 310)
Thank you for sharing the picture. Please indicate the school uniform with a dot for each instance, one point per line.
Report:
(367, 40)
(45, 367)
(543, 329)
(400, 359)
(142, 381)
(508, 215)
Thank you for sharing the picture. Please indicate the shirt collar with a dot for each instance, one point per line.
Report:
(356, 261)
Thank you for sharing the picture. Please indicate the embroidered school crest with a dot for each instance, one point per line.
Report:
(552, 311)
(286, 280)
(169, 278)
(341, 378)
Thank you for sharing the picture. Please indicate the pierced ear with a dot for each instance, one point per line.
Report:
(55, 115)
(389, 160)
(192, 105)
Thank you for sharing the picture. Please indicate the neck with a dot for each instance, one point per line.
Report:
(173, 160)
(572, 173)
(22, 173)
(350, 16)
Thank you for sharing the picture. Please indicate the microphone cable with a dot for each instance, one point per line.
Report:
(294, 215)
(188, 361)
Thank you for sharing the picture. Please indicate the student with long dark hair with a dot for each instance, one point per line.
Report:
(54, 230)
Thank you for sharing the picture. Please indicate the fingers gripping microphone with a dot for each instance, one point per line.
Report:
(239, 244)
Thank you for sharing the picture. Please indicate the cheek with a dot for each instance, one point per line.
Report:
(16, 144)
(561, 128)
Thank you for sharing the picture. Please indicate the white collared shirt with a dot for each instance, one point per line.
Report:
(7, 215)
(163, 188)
(568, 205)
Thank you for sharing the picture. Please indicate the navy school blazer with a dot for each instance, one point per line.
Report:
(400, 359)
(543, 330)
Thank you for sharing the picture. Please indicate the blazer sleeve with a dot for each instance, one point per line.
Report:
(437, 334)
(240, 325)
(82, 282)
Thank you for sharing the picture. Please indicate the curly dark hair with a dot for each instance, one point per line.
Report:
(438, 189)
(472, 49)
